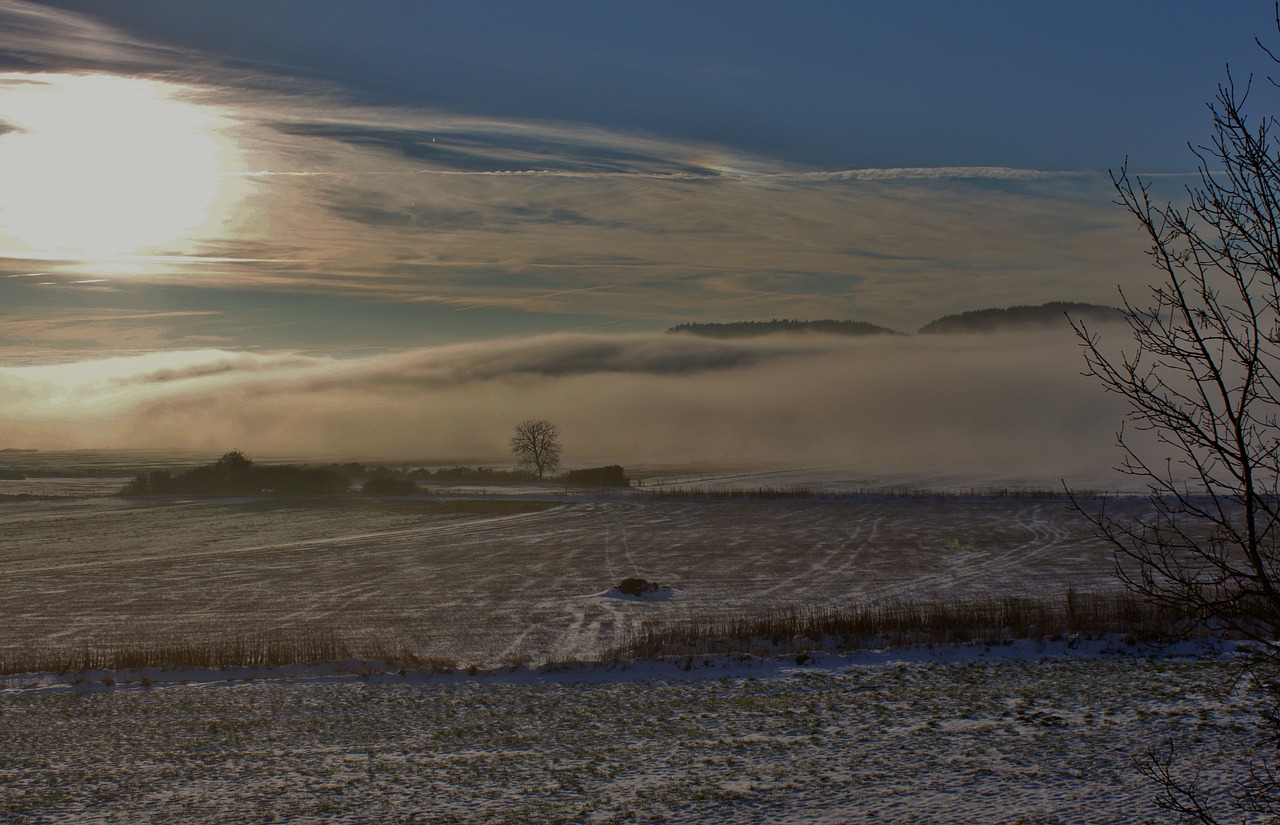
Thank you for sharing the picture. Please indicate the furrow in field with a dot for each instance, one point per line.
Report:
(478, 588)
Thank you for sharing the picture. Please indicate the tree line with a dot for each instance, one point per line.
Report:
(236, 474)
(993, 319)
(536, 447)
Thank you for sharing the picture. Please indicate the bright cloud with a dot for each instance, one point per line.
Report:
(247, 184)
(100, 166)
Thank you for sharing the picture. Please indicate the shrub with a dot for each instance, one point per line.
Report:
(234, 474)
(389, 486)
(610, 476)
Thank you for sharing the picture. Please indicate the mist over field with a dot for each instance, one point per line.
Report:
(1011, 402)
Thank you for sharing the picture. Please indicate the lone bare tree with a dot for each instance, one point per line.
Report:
(1202, 381)
(536, 445)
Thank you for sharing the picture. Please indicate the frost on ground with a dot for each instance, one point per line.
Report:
(488, 588)
(931, 740)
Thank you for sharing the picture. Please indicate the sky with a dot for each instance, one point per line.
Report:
(395, 229)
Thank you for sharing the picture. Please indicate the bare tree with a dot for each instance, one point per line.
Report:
(536, 445)
(1202, 382)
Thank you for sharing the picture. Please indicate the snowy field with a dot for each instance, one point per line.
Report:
(1027, 733)
(487, 581)
(958, 737)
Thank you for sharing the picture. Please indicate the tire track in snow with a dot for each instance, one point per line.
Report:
(617, 523)
(996, 570)
(448, 529)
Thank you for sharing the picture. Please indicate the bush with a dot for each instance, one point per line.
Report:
(635, 586)
(234, 474)
(472, 475)
(389, 486)
(611, 476)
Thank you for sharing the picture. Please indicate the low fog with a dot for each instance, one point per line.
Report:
(1009, 403)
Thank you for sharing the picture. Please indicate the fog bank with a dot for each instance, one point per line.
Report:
(1012, 403)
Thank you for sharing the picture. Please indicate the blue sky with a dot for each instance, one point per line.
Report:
(828, 84)
(200, 197)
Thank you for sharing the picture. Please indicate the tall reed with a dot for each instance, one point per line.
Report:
(796, 628)
(778, 630)
(260, 649)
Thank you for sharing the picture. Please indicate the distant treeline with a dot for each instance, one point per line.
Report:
(463, 475)
(610, 476)
(399, 481)
(978, 320)
(991, 320)
(234, 474)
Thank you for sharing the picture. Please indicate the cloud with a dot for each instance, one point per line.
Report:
(215, 363)
(34, 37)
(540, 225)
(566, 356)
(934, 173)
(443, 146)
(896, 250)
(358, 228)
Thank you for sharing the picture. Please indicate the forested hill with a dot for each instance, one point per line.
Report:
(1020, 317)
(1054, 313)
(752, 329)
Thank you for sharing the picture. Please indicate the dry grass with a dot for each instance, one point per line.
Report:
(256, 650)
(776, 631)
(734, 494)
(796, 629)
(767, 493)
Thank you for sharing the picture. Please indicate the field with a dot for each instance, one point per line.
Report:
(1024, 739)
(513, 584)
(488, 581)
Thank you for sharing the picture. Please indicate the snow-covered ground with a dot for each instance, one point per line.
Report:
(487, 581)
(1025, 733)
(1033, 733)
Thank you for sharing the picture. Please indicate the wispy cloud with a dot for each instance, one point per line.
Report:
(346, 220)
(40, 38)
(933, 173)
(395, 206)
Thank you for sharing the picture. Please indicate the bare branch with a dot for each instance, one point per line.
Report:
(1201, 378)
(536, 445)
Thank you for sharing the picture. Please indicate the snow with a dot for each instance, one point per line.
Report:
(1034, 731)
(1110, 646)
(1031, 732)
(487, 589)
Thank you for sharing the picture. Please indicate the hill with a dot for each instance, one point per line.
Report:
(1020, 317)
(992, 319)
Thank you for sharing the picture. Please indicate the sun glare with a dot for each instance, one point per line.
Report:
(100, 166)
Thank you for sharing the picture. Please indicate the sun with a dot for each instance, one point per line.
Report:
(102, 166)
